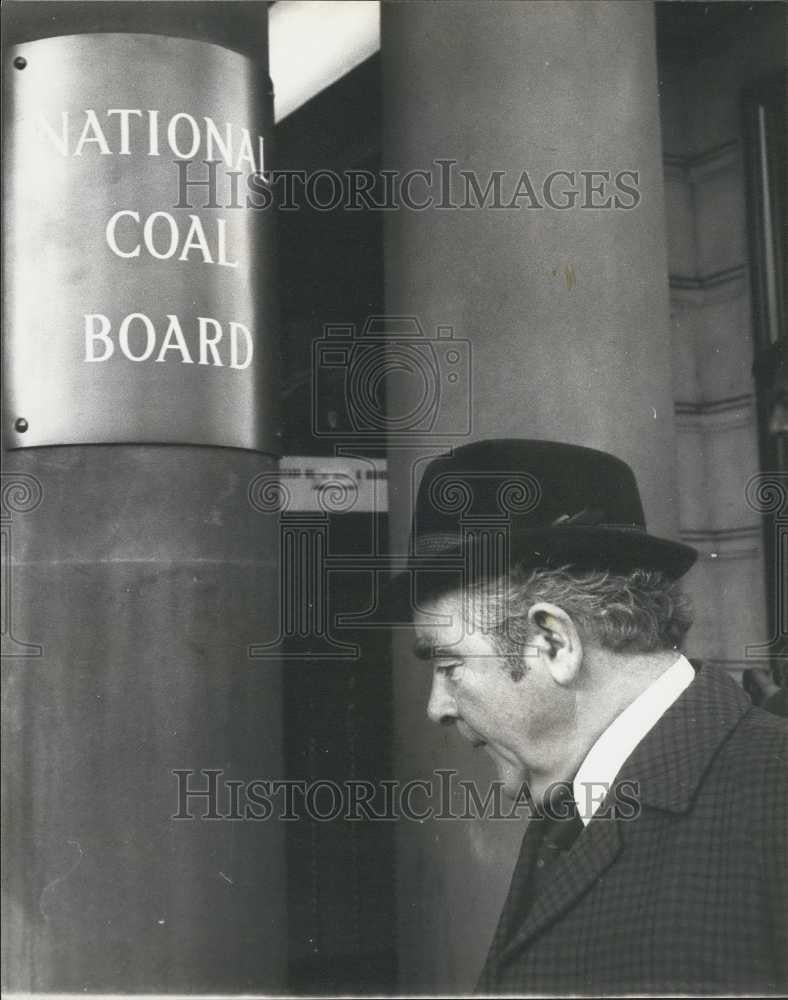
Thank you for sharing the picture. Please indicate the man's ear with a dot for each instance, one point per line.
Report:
(555, 634)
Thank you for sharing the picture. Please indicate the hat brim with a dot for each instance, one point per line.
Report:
(618, 550)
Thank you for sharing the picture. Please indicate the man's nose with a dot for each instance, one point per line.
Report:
(441, 706)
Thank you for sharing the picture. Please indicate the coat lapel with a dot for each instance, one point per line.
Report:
(512, 908)
(667, 767)
(594, 850)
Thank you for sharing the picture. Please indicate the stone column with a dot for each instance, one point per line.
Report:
(563, 298)
(137, 577)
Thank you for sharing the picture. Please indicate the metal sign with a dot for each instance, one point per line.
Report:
(136, 251)
(328, 483)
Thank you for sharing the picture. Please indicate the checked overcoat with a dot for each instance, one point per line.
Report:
(690, 896)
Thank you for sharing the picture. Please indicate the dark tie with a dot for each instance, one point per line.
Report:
(559, 831)
(548, 839)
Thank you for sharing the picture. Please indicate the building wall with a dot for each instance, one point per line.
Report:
(701, 85)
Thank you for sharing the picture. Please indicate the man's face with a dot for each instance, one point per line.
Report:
(510, 706)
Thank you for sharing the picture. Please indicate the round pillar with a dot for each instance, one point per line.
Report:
(136, 578)
(544, 248)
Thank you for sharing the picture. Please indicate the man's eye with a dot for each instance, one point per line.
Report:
(447, 669)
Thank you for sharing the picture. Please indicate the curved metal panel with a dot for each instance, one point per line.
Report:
(138, 303)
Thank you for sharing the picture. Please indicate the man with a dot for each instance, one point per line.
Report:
(657, 862)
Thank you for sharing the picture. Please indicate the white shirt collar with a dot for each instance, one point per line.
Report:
(606, 757)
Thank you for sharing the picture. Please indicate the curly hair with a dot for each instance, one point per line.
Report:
(638, 612)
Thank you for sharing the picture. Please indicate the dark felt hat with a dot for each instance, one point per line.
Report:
(491, 504)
